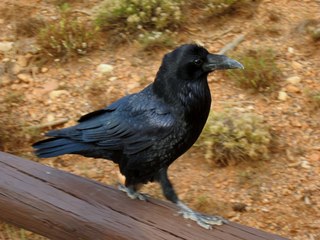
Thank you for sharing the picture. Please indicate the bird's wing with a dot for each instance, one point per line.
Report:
(131, 124)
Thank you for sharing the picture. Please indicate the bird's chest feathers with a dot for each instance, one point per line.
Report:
(196, 100)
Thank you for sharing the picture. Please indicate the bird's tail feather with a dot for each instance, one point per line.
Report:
(56, 146)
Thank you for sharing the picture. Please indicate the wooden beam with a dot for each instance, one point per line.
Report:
(60, 205)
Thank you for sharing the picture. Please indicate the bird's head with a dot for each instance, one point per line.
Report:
(193, 62)
(189, 65)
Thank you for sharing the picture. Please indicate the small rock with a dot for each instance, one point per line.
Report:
(25, 77)
(104, 68)
(305, 164)
(6, 46)
(15, 69)
(22, 61)
(296, 123)
(315, 156)
(239, 207)
(307, 200)
(295, 164)
(44, 69)
(293, 89)
(296, 65)
(50, 117)
(290, 50)
(111, 79)
(57, 93)
(282, 96)
(294, 80)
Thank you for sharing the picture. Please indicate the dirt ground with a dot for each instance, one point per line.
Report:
(281, 195)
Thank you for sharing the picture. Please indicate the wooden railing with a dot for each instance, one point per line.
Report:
(60, 205)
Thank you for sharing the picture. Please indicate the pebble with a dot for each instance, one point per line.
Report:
(315, 156)
(306, 200)
(50, 117)
(6, 46)
(104, 68)
(293, 80)
(305, 164)
(296, 123)
(239, 207)
(16, 68)
(111, 79)
(22, 61)
(296, 65)
(57, 93)
(292, 89)
(283, 96)
(25, 77)
(44, 69)
(290, 50)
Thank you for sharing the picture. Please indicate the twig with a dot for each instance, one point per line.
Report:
(51, 124)
(82, 12)
(232, 45)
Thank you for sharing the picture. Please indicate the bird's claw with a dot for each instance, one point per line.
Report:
(204, 221)
(131, 193)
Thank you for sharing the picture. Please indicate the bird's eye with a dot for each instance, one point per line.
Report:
(198, 62)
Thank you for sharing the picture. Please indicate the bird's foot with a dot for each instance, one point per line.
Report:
(204, 221)
(131, 193)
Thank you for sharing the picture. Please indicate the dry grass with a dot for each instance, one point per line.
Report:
(67, 37)
(261, 72)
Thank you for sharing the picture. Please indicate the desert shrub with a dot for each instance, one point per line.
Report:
(67, 37)
(261, 72)
(315, 34)
(310, 27)
(230, 136)
(29, 27)
(218, 7)
(212, 8)
(133, 17)
(314, 31)
(8, 231)
(154, 39)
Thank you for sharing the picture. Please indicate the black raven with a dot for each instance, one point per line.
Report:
(145, 132)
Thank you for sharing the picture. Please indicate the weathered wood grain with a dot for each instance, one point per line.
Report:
(60, 205)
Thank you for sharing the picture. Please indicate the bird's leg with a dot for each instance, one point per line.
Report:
(201, 219)
(132, 191)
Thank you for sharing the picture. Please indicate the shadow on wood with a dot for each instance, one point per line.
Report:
(60, 205)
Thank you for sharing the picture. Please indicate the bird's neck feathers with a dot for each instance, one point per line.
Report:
(194, 95)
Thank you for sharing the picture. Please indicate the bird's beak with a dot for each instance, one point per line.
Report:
(216, 62)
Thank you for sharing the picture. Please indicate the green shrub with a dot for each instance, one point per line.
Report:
(261, 72)
(67, 37)
(234, 136)
(134, 17)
